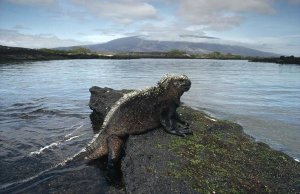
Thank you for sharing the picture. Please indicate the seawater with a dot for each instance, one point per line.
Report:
(44, 113)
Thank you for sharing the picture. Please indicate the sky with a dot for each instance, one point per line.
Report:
(267, 25)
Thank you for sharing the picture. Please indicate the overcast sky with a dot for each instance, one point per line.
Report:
(269, 25)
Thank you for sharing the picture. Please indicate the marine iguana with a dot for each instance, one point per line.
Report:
(138, 112)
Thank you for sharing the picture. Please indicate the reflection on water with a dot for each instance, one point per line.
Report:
(44, 114)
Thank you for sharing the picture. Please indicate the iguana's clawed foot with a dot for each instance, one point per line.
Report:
(183, 132)
(186, 124)
(186, 131)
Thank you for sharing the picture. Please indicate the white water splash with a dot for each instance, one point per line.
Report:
(212, 119)
(56, 144)
(74, 137)
(52, 145)
(74, 130)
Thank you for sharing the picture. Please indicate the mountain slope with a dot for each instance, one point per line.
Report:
(136, 44)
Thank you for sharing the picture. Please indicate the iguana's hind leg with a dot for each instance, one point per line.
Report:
(114, 144)
(97, 153)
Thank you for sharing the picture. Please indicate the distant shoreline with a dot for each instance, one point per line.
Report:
(16, 54)
(279, 60)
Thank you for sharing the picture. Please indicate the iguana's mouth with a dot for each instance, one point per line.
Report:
(186, 87)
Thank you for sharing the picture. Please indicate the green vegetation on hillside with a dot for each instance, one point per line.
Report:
(218, 55)
(176, 53)
(74, 51)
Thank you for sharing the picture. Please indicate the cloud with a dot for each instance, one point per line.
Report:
(111, 30)
(20, 27)
(100, 38)
(294, 1)
(171, 32)
(42, 3)
(208, 15)
(197, 36)
(119, 11)
(53, 8)
(220, 15)
(14, 38)
(285, 45)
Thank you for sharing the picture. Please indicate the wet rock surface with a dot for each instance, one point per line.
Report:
(102, 99)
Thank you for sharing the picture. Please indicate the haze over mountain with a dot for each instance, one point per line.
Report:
(138, 44)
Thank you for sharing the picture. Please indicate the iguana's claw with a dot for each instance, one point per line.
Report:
(186, 131)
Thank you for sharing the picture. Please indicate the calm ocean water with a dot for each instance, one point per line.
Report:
(44, 113)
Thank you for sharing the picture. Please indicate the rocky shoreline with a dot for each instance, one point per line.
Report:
(18, 54)
(279, 60)
(218, 158)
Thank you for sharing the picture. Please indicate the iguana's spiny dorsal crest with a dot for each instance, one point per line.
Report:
(163, 85)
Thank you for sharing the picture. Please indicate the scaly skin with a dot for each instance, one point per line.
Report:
(139, 112)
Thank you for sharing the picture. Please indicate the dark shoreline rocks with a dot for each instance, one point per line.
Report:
(219, 157)
(18, 54)
(279, 60)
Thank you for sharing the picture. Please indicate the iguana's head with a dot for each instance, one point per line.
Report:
(180, 83)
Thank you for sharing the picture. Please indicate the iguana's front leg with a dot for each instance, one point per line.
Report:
(186, 129)
(168, 122)
(180, 120)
